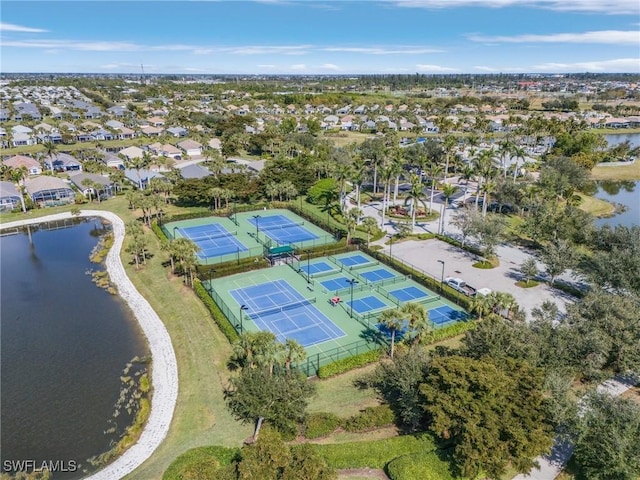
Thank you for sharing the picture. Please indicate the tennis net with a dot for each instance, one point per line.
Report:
(363, 265)
(390, 281)
(324, 273)
(213, 236)
(282, 308)
(281, 226)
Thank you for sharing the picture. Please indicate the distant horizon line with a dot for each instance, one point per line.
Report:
(329, 75)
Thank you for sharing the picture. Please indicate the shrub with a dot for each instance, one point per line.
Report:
(483, 265)
(376, 453)
(159, 232)
(349, 363)
(320, 424)
(370, 418)
(222, 322)
(197, 463)
(419, 466)
(450, 331)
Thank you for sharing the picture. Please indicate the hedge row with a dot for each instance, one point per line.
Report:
(215, 312)
(159, 232)
(450, 331)
(206, 272)
(201, 462)
(204, 212)
(350, 363)
(320, 424)
(419, 466)
(456, 243)
(370, 418)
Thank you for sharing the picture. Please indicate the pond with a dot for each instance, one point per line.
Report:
(626, 193)
(65, 343)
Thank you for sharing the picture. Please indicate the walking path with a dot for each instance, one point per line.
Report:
(551, 465)
(164, 372)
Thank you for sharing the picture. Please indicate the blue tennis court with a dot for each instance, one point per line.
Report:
(354, 260)
(367, 304)
(445, 314)
(335, 284)
(318, 268)
(377, 275)
(213, 240)
(282, 229)
(277, 307)
(409, 293)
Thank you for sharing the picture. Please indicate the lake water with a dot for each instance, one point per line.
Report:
(615, 139)
(626, 193)
(65, 343)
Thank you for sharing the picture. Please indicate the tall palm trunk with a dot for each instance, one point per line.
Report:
(395, 191)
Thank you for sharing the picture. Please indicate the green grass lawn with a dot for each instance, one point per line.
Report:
(625, 172)
(595, 206)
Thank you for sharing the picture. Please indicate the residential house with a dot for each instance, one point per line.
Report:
(194, 171)
(344, 110)
(178, 131)
(114, 124)
(191, 148)
(26, 111)
(105, 186)
(360, 110)
(63, 162)
(113, 161)
(331, 120)
(125, 133)
(46, 190)
(5, 115)
(150, 131)
(22, 139)
(102, 134)
(131, 153)
(9, 197)
(166, 150)
(30, 164)
(156, 121)
(118, 111)
(141, 177)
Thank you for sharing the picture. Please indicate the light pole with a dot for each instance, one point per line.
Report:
(308, 252)
(351, 283)
(242, 308)
(390, 235)
(256, 217)
(174, 232)
(442, 277)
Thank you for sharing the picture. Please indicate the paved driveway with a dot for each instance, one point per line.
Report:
(425, 254)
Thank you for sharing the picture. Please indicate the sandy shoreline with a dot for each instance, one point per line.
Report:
(164, 371)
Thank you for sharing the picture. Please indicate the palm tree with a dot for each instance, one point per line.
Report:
(415, 196)
(447, 192)
(481, 305)
(90, 186)
(351, 221)
(393, 320)
(370, 224)
(50, 151)
(288, 189)
(139, 163)
(519, 153)
(488, 187)
(294, 353)
(483, 165)
(505, 151)
(357, 177)
(387, 175)
(272, 189)
(418, 320)
(449, 146)
(397, 164)
(433, 172)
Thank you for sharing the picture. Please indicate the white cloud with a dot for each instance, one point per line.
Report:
(266, 66)
(484, 68)
(10, 27)
(330, 66)
(298, 66)
(399, 50)
(267, 49)
(610, 7)
(614, 65)
(74, 45)
(616, 37)
(434, 68)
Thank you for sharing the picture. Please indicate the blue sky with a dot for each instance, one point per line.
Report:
(325, 37)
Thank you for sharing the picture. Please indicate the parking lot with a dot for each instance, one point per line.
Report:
(425, 254)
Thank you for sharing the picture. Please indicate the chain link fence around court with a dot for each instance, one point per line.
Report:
(312, 364)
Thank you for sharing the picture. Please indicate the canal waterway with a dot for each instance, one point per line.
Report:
(64, 346)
